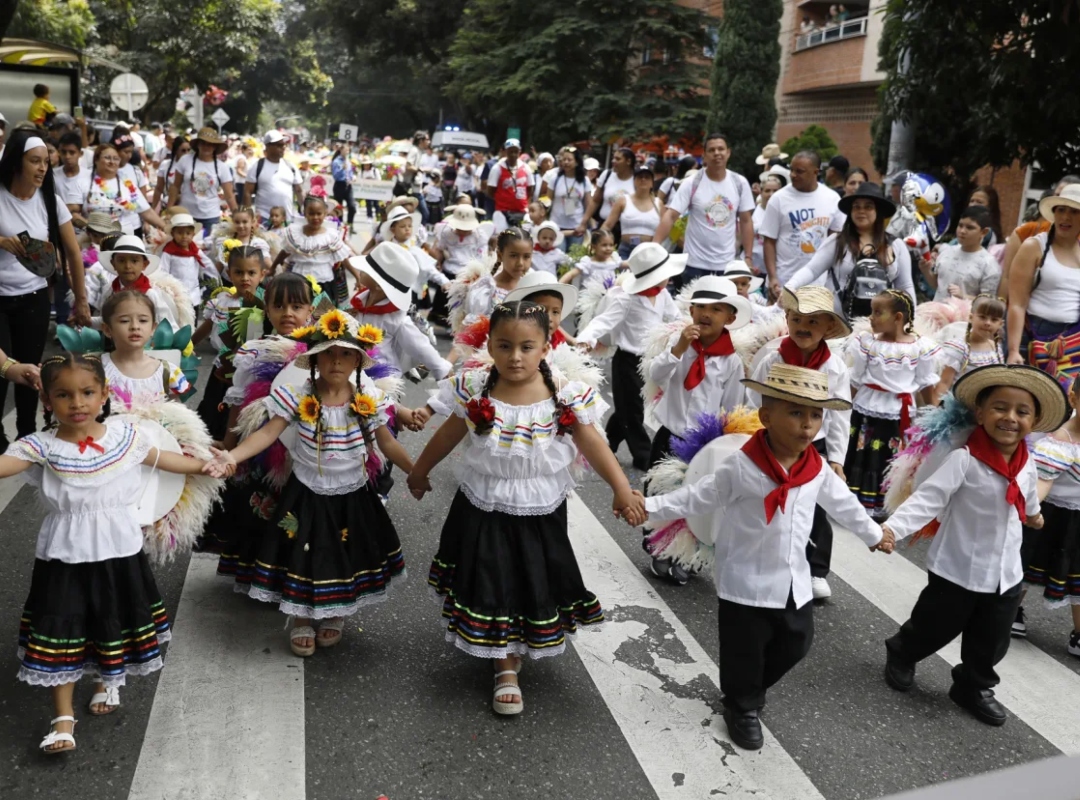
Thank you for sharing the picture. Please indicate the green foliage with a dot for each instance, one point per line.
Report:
(69, 23)
(745, 71)
(814, 138)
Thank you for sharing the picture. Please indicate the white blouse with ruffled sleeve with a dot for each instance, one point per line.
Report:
(1059, 461)
(898, 367)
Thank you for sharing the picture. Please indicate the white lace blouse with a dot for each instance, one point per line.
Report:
(315, 255)
(1059, 461)
(125, 392)
(898, 367)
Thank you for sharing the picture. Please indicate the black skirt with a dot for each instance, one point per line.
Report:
(238, 521)
(212, 409)
(509, 584)
(874, 443)
(1052, 555)
(99, 618)
(322, 556)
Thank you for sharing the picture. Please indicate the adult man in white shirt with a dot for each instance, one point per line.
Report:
(721, 207)
(797, 221)
(272, 181)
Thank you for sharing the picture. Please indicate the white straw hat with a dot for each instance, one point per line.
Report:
(1054, 408)
(1070, 196)
(462, 219)
(738, 269)
(799, 385)
(711, 289)
(537, 280)
(652, 264)
(396, 214)
(128, 244)
(181, 221)
(393, 268)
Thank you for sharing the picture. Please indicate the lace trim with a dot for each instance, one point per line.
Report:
(877, 414)
(307, 612)
(516, 648)
(536, 511)
(1065, 602)
(35, 678)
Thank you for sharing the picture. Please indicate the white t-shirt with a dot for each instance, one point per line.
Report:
(131, 172)
(17, 216)
(568, 198)
(72, 190)
(710, 232)
(800, 222)
(275, 186)
(614, 187)
(199, 189)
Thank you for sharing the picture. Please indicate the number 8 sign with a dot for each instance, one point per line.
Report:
(348, 133)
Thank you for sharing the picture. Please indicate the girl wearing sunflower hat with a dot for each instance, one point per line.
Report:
(329, 547)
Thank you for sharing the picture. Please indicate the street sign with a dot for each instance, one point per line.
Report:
(129, 92)
(195, 113)
(371, 189)
(513, 133)
(348, 133)
(220, 118)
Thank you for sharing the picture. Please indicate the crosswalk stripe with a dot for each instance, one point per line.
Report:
(1036, 688)
(675, 729)
(228, 716)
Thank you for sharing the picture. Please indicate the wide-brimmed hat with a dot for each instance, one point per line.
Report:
(407, 200)
(548, 225)
(1070, 196)
(100, 222)
(366, 160)
(652, 264)
(1054, 408)
(537, 280)
(393, 268)
(776, 171)
(463, 218)
(769, 152)
(335, 328)
(181, 221)
(210, 136)
(739, 269)
(869, 191)
(715, 289)
(397, 214)
(815, 300)
(128, 244)
(799, 385)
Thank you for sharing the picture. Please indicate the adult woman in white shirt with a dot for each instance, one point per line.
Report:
(638, 213)
(611, 184)
(569, 190)
(199, 178)
(117, 195)
(166, 173)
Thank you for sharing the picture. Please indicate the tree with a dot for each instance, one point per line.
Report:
(65, 23)
(746, 68)
(814, 138)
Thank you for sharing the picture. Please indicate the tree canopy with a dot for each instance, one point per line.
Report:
(815, 138)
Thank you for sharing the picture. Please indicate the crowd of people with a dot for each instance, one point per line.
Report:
(779, 308)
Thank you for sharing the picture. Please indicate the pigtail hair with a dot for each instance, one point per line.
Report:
(549, 379)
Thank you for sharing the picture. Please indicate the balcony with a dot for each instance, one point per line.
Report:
(849, 29)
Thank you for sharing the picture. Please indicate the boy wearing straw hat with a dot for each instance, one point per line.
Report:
(768, 491)
(811, 321)
(974, 505)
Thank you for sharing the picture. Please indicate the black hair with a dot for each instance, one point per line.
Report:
(54, 365)
(242, 252)
(687, 163)
(116, 298)
(628, 154)
(11, 167)
(288, 287)
(980, 215)
(900, 303)
(994, 207)
(715, 135)
(369, 439)
(856, 171)
(811, 155)
(985, 393)
(992, 306)
(579, 165)
(109, 242)
(178, 141)
(543, 293)
(504, 240)
(40, 90)
(597, 235)
(313, 199)
(848, 241)
(74, 139)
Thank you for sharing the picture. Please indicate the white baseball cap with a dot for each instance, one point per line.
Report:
(273, 137)
(512, 143)
(591, 163)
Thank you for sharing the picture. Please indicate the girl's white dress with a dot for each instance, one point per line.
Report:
(315, 255)
(126, 392)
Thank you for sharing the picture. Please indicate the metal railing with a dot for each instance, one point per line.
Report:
(833, 33)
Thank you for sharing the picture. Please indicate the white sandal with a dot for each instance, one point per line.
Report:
(507, 690)
(55, 736)
(110, 698)
(302, 632)
(336, 624)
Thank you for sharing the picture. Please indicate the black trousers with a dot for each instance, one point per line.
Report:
(946, 610)
(627, 424)
(440, 306)
(757, 648)
(24, 327)
(343, 193)
(819, 548)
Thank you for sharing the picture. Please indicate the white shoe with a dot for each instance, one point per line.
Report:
(820, 588)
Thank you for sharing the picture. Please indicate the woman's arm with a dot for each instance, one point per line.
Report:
(392, 449)
(817, 266)
(230, 195)
(1012, 247)
(1021, 277)
(446, 438)
(76, 273)
(174, 190)
(153, 218)
(159, 189)
(616, 212)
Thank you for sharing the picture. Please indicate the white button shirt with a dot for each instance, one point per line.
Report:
(403, 344)
(679, 407)
(759, 564)
(629, 318)
(835, 424)
(978, 543)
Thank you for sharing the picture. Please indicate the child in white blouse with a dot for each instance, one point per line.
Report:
(505, 565)
(975, 504)
(89, 551)
(601, 261)
(980, 346)
(893, 368)
(242, 228)
(513, 258)
(312, 247)
(547, 251)
(134, 375)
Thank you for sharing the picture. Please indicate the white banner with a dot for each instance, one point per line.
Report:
(371, 189)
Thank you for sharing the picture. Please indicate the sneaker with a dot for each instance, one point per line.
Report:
(413, 376)
(668, 570)
(1074, 644)
(1019, 626)
(820, 588)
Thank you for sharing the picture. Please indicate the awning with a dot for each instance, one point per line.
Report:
(34, 53)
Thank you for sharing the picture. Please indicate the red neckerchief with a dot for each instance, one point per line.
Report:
(790, 352)
(907, 402)
(142, 285)
(983, 448)
(802, 471)
(381, 308)
(89, 442)
(540, 249)
(721, 347)
(558, 338)
(173, 249)
(653, 292)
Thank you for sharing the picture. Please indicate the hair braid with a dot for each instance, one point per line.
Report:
(549, 379)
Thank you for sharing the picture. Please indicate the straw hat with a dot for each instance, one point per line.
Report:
(769, 152)
(548, 225)
(463, 218)
(738, 269)
(1054, 408)
(210, 136)
(815, 300)
(128, 244)
(407, 200)
(392, 267)
(100, 222)
(652, 264)
(714, 289)
(1070, 196)
(337, 329)
(537, 280)
(799, 385)
(396, 214)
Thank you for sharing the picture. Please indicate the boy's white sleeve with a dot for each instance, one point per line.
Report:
(932, 496)
(734, 391)
(412, 347)
(207, 266)
(839, 502)
(663, 367)
(605, 323)
(838, 423)
(693, 500)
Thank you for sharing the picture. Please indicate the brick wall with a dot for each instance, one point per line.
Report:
(826, 66)
(853, 139)
(1009, 183)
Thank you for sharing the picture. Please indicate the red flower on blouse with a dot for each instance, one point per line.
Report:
(481, 411)
(565, 417)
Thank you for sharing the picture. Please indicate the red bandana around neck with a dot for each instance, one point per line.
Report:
(142, 285)
(540, 249)
(721, 347)
(802, 471)
(557, 338)
(653, 292)
(983, 448)
(357, 303)
(173, 249)
(790, 352)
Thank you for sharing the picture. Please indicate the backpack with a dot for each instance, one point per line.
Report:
(869, 278)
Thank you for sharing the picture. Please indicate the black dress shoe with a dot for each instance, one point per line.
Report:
(980, 702)
(898, 675)
(744, 728)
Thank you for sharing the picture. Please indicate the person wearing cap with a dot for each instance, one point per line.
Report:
(974, 507)
(768, 492)
(185, 260)
(274, 181)
(1044, 280)
(548, 255)
(836, 173)
(200, 177)
(812, 321)
(861, 236)
(509, 186)
(797, 221)
(633, 309)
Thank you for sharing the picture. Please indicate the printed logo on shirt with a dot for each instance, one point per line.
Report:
(719, 212)
(203, 184)
(810, 231)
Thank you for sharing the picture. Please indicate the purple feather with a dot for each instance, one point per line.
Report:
(264, 371)
(380, 369)
(709, 427)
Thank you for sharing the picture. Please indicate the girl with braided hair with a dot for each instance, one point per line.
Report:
(329, 547)
(980, 346)
(505, 568)
(892, 366)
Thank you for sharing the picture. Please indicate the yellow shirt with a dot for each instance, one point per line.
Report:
(39, 109)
